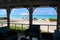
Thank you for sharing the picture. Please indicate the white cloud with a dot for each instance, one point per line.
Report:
(25, 14)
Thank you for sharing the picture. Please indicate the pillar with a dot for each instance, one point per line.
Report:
(56, 34)
(8, 17)
(58, 17)
(30, 15)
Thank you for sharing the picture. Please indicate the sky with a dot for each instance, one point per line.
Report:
(24, 11)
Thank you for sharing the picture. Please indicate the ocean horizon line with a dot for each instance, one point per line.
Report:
(28, 19)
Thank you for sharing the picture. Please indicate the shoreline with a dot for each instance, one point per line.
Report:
(27, 21)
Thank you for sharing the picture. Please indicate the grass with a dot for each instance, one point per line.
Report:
(13, 27)
(19, 28)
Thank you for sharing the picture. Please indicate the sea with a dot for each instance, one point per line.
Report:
(34, 16)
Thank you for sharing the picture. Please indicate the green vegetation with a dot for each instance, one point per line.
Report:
(2, 18)
(18, 28)
(52, 19)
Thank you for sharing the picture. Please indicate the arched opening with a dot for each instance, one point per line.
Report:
(3, 18)
(46, 17)
(19, 19)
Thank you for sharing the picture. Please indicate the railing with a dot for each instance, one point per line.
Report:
(48, 25)
(22, 25)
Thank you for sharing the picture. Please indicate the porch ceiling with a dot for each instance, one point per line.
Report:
(26, 3)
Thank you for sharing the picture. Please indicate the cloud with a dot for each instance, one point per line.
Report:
(24, 14)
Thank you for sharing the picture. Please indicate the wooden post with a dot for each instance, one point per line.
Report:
(8, 17)
(48, 29)
(30, 15)
(58, 17)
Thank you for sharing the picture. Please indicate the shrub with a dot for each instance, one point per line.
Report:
(52, 19)
(2, 18)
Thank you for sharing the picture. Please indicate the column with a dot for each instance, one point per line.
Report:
(8, 17)
(56, 34)
(58, 17)
(30, 15)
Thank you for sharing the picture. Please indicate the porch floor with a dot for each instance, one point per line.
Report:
(19, 36)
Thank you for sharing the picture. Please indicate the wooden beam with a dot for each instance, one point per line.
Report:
(28, 2)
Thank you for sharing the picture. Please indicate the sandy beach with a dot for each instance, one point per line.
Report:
(43, 24)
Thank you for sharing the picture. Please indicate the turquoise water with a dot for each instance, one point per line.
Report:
(34, 16)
